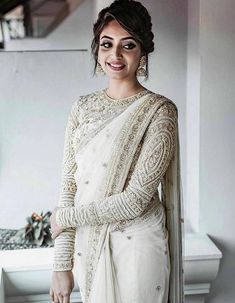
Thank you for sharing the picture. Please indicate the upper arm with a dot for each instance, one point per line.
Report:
(157, 150)
(69, 166)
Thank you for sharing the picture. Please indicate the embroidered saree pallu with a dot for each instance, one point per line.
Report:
(128, 240)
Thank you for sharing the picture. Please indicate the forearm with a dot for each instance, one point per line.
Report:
(64, 250)
(64, 243)
(124, 206)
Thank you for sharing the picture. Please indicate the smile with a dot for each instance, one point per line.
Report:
(116, 67)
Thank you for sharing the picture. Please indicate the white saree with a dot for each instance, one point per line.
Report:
(127, 240)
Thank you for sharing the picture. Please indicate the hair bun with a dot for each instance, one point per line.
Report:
(133, 17)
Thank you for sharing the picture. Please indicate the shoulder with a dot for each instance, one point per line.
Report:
(167, 106)
(84, 102)
(165, 100)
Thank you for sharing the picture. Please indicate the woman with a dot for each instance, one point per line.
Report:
(112, 230)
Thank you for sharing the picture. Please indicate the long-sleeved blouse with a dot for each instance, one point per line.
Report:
(150, 163)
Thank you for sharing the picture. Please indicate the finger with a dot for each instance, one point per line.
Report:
(56, 233)
(51, 293)
(66, 299)
(56, 299)
(51, 220)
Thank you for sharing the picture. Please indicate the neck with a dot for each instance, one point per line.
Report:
(119, 89)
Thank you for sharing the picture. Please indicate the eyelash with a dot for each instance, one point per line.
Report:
(131, 45)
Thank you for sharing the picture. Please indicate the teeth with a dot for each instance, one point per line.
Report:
(116, 65)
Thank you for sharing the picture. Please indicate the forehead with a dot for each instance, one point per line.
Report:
(114, 29)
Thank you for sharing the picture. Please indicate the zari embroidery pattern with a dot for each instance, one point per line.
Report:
(63, 258)
(95, 234)
(96, 112)
(88, 116)
(123, 101)
(154, 160)
(142, 184)
(92, 216)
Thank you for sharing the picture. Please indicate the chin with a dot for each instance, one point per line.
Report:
(116, 77)
(121, 76)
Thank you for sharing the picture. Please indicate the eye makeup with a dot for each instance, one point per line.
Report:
(106, 44)
(126, 45)
(129, 45)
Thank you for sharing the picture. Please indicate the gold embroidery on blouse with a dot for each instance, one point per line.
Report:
(116, 174)
(89, 117)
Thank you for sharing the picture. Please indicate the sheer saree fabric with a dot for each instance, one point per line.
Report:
(125, 260)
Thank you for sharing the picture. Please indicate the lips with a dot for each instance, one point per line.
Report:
(116, 66)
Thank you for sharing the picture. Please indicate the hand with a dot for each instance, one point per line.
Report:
(61, 286)
(55, 229)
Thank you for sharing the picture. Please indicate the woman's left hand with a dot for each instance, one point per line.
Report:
(55, 229)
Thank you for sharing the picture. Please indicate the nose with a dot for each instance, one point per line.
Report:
(117, 51)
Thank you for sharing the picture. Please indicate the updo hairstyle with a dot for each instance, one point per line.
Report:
(133, 17)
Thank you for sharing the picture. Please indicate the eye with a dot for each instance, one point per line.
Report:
(129, 45)
(106, 44)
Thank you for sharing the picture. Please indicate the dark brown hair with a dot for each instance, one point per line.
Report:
(133, 17)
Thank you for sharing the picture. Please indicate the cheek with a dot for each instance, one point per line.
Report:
(135, 60)
(102, 56)
(99, 54)
(135, 57)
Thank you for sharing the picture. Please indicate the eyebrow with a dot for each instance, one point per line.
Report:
(125, 38)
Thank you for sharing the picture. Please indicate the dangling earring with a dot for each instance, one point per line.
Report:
(141, 70)
(99, 69)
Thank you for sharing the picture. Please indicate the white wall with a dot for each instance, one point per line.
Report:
(217, 144)
(37, 91)
(210, 139)
(193, 115)
(38, 88)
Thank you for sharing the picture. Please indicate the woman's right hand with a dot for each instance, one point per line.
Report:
(61, 286)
